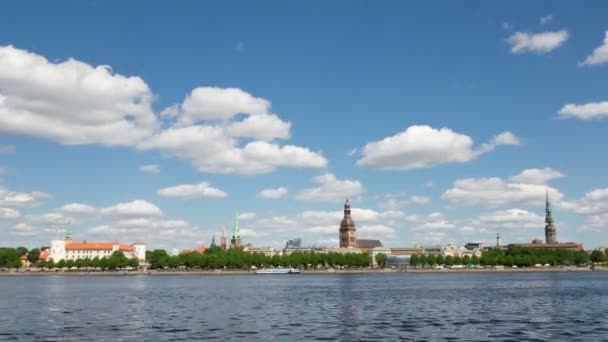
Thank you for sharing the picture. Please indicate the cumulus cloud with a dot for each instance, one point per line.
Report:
(264, 127)
(587, 111)
(72, 102)
(9, 213)
(537, 176)
(273, 193)
(23, 229)
(419, 199)
(10, 198)
(136, 208)
(539, 43)
(213, 151)
(192, 191)
(150, 168)
(376, 231)
(214, 103)
(247, 216)
(424, 147)
(433, 221)
(495, 192)
(510, 219)
(78, 210)
(599, 55)
(330, 189)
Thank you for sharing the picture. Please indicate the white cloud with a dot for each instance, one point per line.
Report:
(23, 229)
(330, 189)
(546, 19)
(151, 168)
(495, 192)
(433, 221)
(424, 147)
(273, 193)
(419, 199)
(587, 111)
(511, 219)
(537, 176)
(72, 102)
(136, 208)
(264, 127)
(192, 191)
(7, 149)
(428, 184)
(505, 138)
(599, 55)
(9, 213)
(210, 149)
(214, 103)
(392, 203)
(78, 210)
(540, 43)
(21, 199)
(377, 231)
(247, 216)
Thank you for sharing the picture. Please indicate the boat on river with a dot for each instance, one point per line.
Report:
(278, 270)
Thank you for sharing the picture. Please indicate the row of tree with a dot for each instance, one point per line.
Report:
(10, 258)
(514, 256)
(236, 258)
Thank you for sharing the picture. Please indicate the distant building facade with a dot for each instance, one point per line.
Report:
(64, 250)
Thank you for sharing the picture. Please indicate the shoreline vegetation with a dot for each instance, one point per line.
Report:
(215, 261)
(25, 272)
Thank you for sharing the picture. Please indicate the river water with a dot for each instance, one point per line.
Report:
(374, 307)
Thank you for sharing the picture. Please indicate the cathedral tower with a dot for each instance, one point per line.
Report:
(348, 232)
(550, 237)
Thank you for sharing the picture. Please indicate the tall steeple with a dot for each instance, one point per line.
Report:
(223, 240)
(550, 234)
(236, 233)
(348, 232)
(68, 232)
(213, 241)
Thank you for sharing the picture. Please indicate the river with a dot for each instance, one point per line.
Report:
(544, 306)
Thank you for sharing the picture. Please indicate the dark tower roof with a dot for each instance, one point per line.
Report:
(347, 221)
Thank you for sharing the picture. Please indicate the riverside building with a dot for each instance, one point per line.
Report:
(66, 249)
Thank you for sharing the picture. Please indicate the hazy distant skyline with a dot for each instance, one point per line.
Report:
(442, 122)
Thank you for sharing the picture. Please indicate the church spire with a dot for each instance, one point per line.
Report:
(68, 232)
(236, 233)
(550, 234)
(223, 240)
(213, 241)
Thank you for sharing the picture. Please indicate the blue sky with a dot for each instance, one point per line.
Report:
(443, 122)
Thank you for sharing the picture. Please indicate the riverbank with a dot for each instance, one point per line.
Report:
(304, 272)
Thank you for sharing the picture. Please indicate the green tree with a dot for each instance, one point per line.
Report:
(381, 259)
(33, 255)
(598, 256)
(21, 250)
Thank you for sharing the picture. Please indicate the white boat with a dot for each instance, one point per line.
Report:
(278, 270)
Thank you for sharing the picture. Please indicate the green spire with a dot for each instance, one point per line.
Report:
(68, 232)
(236, 233)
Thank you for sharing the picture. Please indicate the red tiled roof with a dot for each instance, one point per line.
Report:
(73, 246)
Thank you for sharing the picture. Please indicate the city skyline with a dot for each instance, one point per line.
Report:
(445, 130)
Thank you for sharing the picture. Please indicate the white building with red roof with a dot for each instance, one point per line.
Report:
(68, 250)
